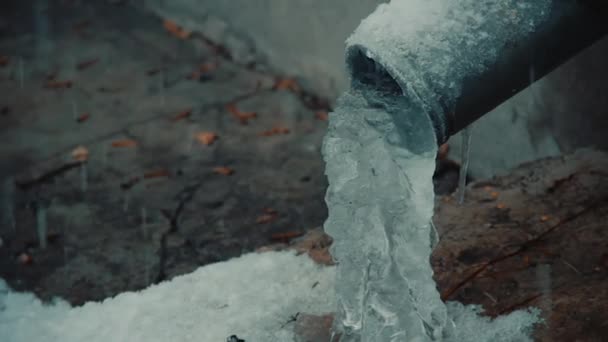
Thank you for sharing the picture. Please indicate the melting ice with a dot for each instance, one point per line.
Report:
(380, 156)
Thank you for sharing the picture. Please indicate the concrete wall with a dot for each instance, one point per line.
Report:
(305, 38)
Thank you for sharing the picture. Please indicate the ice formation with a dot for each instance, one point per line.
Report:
(408, 61)
(379, 163)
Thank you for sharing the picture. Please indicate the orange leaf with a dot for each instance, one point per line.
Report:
(58, 84)
(500, 206)
(156, 174)
(443, 151)
(275, 131)
(183, 115)
(25, 259)
(286, 84)
(202, 69)
(206, 138)
(494, 194)
(544, 218)
(175, 29)
(124, 143)
(223, 170)
(321, 115)
(84, 117)
(4, 61)
(266, 218)
(243, 117)
(80, 153)
(285, 237)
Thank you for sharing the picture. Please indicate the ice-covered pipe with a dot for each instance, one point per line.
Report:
(462, 58)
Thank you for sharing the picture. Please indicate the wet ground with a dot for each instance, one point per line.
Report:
(145, 151)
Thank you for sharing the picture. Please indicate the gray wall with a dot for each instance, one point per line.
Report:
(305, 38)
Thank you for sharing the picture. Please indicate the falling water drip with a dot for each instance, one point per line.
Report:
(74, 111)
(8, 203)
(465, 148)
(41, 225)
(83, 177)
(126, 198)
(104, 155)
(144, 223)
(21, 73)
(161, 78)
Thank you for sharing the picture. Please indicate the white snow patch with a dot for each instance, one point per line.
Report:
(252, 296)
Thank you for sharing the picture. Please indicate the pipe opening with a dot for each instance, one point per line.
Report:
(366, 72)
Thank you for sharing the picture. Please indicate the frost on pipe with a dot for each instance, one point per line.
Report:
(380, 152)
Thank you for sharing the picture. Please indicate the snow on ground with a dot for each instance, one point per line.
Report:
(252, 296)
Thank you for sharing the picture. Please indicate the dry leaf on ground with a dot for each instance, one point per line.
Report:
(223, 170)
(124, 143)
(206, 138)
(80, 153)
(176, 30)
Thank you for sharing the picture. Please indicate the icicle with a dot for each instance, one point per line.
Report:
(83, 177)
(41, 225)
(464, 159)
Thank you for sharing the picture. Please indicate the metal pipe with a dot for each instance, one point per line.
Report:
(461, 59)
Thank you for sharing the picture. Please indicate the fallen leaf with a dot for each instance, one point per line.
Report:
(86, 64)
(203, 69)
(84, 117)
(544, 218)
(58, 84)
(223, 170)
(321, 115)
(124, 143)
(182, 115)
(275, 131)
(25, 259)
(500, 206)
(156, 174)
(286, 84)
(286, 237)
(80, 153)
(4, 60)
(443, 151)
(494, 194)
(266, 218)
(243, 117)
(206, 138)
(176, 30)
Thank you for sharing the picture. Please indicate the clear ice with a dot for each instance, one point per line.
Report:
(380, 156)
